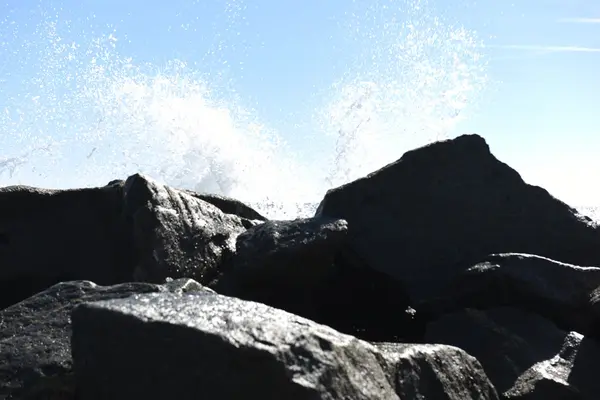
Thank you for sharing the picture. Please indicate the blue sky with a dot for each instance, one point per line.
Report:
(539, 111)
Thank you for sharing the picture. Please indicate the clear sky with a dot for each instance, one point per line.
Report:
(538, 108)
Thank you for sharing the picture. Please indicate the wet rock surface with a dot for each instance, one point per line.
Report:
(441, 276)
(213, 346)
(35, 351)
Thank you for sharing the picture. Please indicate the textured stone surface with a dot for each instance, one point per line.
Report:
(434, 371)
(212, 346)
(479, 285)
(177, 235)
(525, 355)
(35, 353)
(564, 293)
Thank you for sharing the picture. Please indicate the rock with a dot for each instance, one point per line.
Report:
(216, 347)
(570, 374)
(49, 236)
(211, 346)
(228, 205)
(177, 235)
(223, 203)
(358, 300)
(525, 355)
(282, 263)
(446, 206)
(564, 293)
(295, 266)
(35, 354)
(297, 252)
(102, 235)
(433, 371)
(389, 292)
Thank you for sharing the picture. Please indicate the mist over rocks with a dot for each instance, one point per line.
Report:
(442, 275)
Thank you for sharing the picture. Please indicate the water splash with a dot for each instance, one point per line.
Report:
(410, 86)
(85, 114)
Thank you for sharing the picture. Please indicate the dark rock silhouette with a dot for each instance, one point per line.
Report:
(49, 236)
(440, 276)
(524, 355)
(446, 206)
(564, 293)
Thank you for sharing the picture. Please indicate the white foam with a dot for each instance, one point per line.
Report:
(88, 115)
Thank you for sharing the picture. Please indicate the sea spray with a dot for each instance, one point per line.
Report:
(87, 113)
(411, 83)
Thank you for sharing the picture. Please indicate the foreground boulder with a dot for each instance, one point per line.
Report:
(525, 355)
(216, 347)
(49, 236)
(446, 206)
(35, 352)
(564, 293)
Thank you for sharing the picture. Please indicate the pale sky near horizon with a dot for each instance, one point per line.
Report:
(539, 111)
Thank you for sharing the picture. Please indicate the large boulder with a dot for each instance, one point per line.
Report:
(447, 205)
(49, 236)
(286, 254)
(192, 346)
(127, 230)
(177, 235)
(434, 371)
(525, 355)
(564, 293)
(296, 266)
(35, 352)
(284, 263)
(226, 204)
(364, 302)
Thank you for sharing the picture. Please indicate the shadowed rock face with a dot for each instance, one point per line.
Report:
(128, 230)
(525, 355)
(48, 236)
(564, 293)
(445, 206)
(440, 276)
